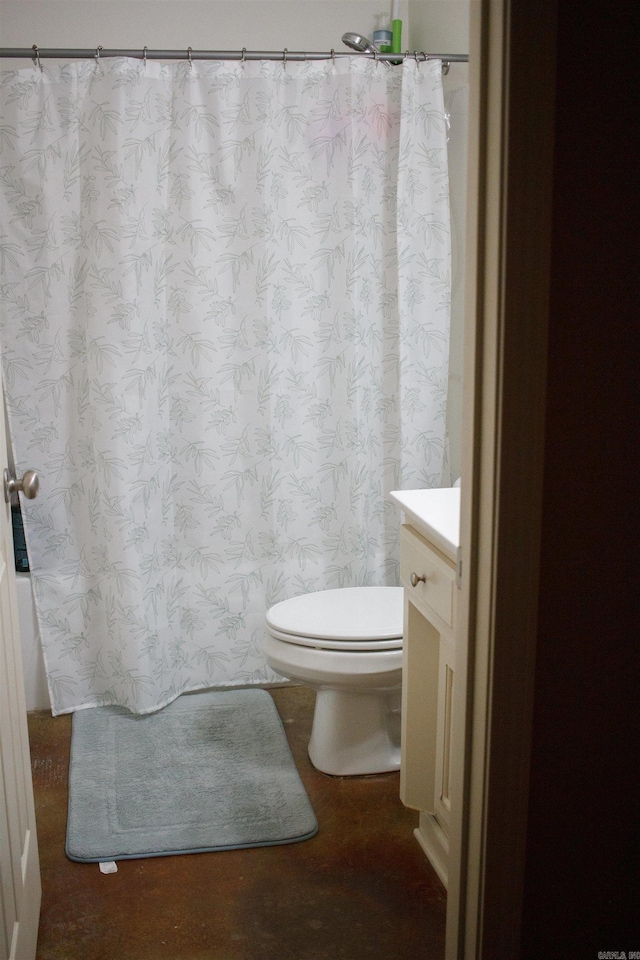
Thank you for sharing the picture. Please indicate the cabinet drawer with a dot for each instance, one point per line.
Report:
(419, 557)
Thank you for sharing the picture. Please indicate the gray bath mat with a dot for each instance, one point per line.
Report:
(212, 771)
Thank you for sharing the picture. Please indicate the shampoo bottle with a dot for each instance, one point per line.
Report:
(382, 34)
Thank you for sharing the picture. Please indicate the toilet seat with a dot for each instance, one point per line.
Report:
(346, 645)
(322, 643)
(351, 618)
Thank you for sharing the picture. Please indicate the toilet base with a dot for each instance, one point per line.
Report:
(355, 733)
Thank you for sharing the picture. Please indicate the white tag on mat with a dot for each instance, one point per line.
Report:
(108, 866)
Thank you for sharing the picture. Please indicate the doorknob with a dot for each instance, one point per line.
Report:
(28, 485)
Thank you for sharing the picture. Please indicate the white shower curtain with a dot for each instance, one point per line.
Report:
(225, 310)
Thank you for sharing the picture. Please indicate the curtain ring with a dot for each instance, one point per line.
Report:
(333, 55)
(415, 55)
(284, 56)
(244, 55)
(424, 55)
(98, 49)
(375, 55)
(144, 56)
(189, 51)
(445, 67)
(36, 56)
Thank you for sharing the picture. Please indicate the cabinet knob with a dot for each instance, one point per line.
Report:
(414, 579)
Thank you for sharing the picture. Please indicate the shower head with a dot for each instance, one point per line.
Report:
(358, 43)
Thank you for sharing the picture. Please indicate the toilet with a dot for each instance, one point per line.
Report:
(345, 644)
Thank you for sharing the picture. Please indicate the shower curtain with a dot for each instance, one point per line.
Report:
(224, 300)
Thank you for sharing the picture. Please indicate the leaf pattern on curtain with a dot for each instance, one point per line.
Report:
(225, 313)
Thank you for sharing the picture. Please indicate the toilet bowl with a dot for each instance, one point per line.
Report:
(346, 645)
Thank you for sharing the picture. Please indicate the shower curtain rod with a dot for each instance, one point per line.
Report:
(36, 54)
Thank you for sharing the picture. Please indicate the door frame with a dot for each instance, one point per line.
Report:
(511, 124)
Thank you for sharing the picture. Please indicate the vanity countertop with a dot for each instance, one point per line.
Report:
(435, 514)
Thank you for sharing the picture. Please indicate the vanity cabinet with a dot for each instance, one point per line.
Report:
(428, 573)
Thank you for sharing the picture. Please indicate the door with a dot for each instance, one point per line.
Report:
(20, 890)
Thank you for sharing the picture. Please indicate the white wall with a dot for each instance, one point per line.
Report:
(201, 24)
(439, 26)
(436, 26)
(456, 101)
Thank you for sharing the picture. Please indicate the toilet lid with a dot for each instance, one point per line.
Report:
(351, 613)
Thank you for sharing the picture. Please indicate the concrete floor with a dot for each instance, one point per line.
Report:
(361, 889)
